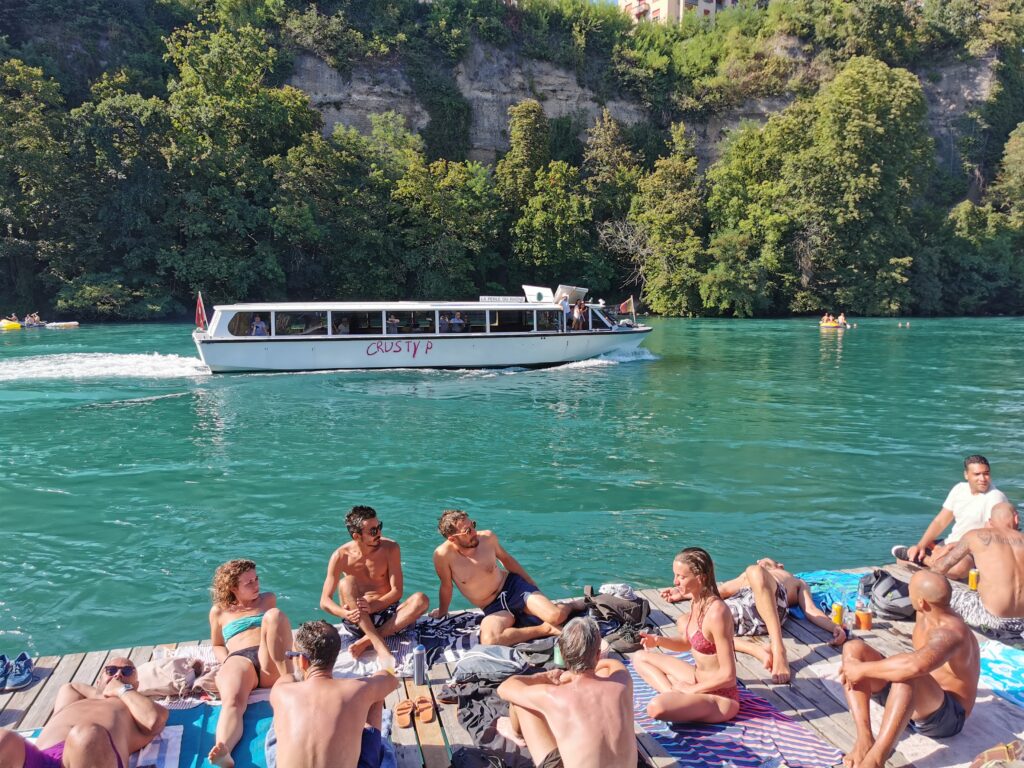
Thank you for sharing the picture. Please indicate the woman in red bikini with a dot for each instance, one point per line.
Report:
(704, 692)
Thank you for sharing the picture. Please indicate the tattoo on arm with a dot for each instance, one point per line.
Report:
(959, 551)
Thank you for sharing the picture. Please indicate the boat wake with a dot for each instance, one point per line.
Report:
(101, 366)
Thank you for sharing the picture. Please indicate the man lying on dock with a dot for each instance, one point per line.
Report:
(515, 611)
(931, 688)
(759, 600)
(579, 717)
(997, 607)
(967, 506)
(98, 727)
(321, 722)
(367, 573)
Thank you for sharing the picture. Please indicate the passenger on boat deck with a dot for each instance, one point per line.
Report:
(579, 717)
(321, 722)
(367, 575)
(997, 607)
(968, 506)
(257, 327)
(250, 637)
(442, 323)
(566, 309)
(457, 324)
(579, 315)
(706, 691)
(931, 688)
(515, 611)
(343, 328)
(97, 727)
(392, 324)
(759, 600)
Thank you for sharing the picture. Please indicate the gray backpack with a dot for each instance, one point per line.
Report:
(889, 597)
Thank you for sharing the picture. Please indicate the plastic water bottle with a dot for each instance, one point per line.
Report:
(419, 665)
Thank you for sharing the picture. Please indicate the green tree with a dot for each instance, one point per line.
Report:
(611, 169)
(529, 151)
(1008, 189)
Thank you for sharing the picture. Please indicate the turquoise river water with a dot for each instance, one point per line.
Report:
(129, 473)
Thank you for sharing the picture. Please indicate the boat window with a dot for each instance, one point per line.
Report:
(409, 322)
(345, 323)
(300, 323)
(549, 320)
(250, 324)
(511, 321)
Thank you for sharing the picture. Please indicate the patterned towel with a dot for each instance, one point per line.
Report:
(759, 737)
(1002, 671)
(828, 587)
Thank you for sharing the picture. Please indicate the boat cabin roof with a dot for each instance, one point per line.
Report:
(397, 306)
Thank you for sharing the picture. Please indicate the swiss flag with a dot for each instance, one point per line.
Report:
(201, 323)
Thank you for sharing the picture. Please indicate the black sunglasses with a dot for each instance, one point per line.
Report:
(375, 530)
(295, 655)
(127, 670)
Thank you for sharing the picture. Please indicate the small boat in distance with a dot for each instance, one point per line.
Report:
(530, 331)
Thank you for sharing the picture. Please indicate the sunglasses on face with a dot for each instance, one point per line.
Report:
(128, 670)
(374, 531)
(295, 655)
(471, 526)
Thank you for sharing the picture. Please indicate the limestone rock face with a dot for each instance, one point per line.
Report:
(371, 89)
(710, 132)
(493, 79)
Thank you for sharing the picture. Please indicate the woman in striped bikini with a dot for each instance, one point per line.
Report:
(703, 692)
(250, 638)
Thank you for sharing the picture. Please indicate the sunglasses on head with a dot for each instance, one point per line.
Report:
(127, 670)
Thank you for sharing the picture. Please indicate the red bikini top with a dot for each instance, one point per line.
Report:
(698, 640)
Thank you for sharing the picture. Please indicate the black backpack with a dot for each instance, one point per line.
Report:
(632, 617)
(889, 597)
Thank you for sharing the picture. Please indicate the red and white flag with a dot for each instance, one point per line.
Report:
(626, 306)
(201, 323)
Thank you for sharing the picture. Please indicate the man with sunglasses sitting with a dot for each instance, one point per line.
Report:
(367, 573)
(321, 722)
(91, 726)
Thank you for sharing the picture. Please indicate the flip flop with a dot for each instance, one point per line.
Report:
(403, 713)
(424, 709)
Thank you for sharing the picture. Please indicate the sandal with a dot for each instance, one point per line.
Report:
(424, 709)
(403, 713)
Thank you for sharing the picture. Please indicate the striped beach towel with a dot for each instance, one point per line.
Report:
(759, 737)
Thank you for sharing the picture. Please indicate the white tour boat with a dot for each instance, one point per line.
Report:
(494, 332)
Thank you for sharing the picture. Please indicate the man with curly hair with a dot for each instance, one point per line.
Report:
(367, 574)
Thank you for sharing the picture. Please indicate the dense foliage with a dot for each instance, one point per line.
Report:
(150, 149)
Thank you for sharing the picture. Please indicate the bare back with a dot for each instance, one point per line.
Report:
(999, 556)
(371, 571)
(319, 722)
(945, 633)
(591, 718)
(475, 572)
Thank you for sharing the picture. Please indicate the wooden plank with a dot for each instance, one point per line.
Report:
(433, 749)
(41, 709)
(20, 701)
(455, 734)
(407, 748)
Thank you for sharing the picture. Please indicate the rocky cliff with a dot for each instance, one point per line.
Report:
(492, 79)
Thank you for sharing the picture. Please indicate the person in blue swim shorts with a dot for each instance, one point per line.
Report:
(932, 689)
(515, 611)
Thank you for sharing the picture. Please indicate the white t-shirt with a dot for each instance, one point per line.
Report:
(970, 511)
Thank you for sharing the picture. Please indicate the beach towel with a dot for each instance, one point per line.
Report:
(991, 722)
(758, 737)
(1002, 671)
(828, 587)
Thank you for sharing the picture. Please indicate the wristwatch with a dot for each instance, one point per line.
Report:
(124, 689)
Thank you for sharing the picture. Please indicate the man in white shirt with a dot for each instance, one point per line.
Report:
(968, 506)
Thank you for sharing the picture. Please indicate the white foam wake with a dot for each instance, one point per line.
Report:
(101, 365)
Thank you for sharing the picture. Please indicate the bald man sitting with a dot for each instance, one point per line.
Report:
(931, 689)
(997, 608)
(90, 727)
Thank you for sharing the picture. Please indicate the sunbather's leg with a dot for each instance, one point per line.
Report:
(90, 746)
(539, 739)
(499, 629)
(555, 614)
(275, 639)
(371, 635)
(764, 586)
(12, 749)
(915, 699)
(859, 700)
(663, 672)
(411, 609)
(236, 679)
(679, 707)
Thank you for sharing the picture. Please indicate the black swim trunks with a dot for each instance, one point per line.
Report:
(252, 653)
(553, 760)
(379, 619)
(948, 720)
(512, 598)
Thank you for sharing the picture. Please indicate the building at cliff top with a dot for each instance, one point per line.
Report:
(671, 10)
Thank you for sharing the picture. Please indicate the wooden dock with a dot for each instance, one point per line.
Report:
(429, 745)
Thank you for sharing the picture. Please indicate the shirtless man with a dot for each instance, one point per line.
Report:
(968, 506)
(97, 727)
(932, 688)
(580, 717)
(759, 600)
(321, 722)
(997, 607)
(367, 573)
(514, 610)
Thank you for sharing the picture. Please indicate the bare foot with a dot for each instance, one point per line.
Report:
(359, 647)
(504, 726)
(220, 755)
(552, 630)
(762, 654)
(855, 756)
(779, 667)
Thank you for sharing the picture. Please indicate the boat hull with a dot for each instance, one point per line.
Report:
(355, 352)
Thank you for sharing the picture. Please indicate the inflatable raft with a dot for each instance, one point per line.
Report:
(9, 325)
(62, 326)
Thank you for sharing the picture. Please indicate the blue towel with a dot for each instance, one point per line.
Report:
(200, 724)
(828, 587)
(1002, 671)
